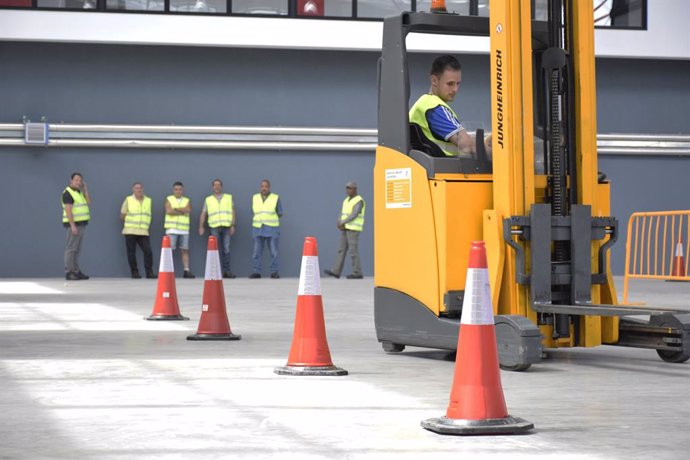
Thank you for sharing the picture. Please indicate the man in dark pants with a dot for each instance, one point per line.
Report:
(350, 224)
(75, 218)
(136, 214)
(219, 208)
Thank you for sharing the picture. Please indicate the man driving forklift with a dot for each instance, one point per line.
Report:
(436, 119)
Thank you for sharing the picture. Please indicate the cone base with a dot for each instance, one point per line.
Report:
(309, 370)
(166, 318)
(507, 425)
(676, 281)
(229, 336)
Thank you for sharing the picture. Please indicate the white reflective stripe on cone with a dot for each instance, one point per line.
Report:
(213, 266)
(309, 279)
(476, 306)
(679, 249)
(166, 264)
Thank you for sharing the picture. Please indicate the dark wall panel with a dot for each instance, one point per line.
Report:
(201, 86)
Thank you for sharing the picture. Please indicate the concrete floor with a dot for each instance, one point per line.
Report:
(84, 376)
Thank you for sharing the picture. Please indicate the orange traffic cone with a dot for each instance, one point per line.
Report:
(213, 324)
(678, 268)
(166, 306)
(476, 399)
(309, 353)
(438, 6)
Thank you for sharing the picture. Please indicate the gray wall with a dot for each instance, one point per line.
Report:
(137, 84)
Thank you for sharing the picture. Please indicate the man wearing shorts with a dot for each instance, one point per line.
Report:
(178, 208)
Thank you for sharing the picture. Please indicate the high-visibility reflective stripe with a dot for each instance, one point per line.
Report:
(138, 213)
(180, 222)
(219, 212)
(357, 224)
(476, 306)
(166, 263)
(80, 208)
(265, 211)
(213, 272)
(309, 279)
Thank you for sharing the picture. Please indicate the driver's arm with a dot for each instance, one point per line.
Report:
(465, 142)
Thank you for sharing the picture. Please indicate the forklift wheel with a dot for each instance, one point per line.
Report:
(515, 368)
(390, 347)
(673, 356)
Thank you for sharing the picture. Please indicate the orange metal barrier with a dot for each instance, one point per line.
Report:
(655, 247)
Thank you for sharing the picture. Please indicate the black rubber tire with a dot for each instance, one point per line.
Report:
(390, 347)
(515, 368)
(673, 356)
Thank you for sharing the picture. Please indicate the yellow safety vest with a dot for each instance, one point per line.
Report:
(219, 212)
(138, 213)
(80, 207)
(178, 222)
(357, 223)
(418, 115)
(265, 211)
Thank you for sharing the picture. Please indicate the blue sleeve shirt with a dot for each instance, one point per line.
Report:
(442, 123)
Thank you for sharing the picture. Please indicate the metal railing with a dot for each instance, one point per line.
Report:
(644, 144)
(655, 247)
(198, 137)
(284, 138)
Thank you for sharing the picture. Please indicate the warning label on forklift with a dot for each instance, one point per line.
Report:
(399, 188)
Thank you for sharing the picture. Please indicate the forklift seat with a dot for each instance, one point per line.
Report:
(418, 141)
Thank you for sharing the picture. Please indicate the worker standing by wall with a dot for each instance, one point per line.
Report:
(220, 210)
(267, 210)
(75, 218)
(178, 209)
(350, 224)
(136, 214)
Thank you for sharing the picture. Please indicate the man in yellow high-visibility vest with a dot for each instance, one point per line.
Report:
(75, 217)
(219, 207)
(135, 213)
(178, 209)
(436, 118)
(267, 210)
(350, 224)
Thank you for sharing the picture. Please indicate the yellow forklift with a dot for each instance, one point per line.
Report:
(541, 206)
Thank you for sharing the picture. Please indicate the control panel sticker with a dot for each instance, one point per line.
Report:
(398, 188)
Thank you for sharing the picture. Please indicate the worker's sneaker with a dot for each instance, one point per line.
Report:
(354, 277)
(330, 273)
(275, 275)
(83, 276)
(255, 275)
(72, 276)
(136, 275)
(230, 275)
(151, 275)
(188, 274)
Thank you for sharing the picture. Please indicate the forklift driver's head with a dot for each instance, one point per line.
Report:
(445, 77)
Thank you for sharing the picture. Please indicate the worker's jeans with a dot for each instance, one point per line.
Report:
(73, 248)
(272, 243)
(349, 240)
(131, 241)
(222, 234)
